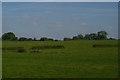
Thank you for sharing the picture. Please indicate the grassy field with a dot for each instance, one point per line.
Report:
(78, 59)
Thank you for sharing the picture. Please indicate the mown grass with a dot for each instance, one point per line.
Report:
(78, 59)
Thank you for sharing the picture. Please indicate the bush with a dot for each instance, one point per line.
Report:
(48, 47)
(21, 50)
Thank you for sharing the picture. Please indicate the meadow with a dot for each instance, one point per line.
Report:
(77, 59)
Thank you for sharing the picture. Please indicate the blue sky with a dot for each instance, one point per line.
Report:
(60, 0)
(0, 18)
(59, 19)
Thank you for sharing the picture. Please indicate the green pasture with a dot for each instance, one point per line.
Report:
(78, 59)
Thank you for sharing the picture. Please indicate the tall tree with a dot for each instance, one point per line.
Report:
(75, 38)
(87, 37)
(22, 39)
(80, 36)
(102, 35)
(43, 39)
(67, 39)
(8, 36)
(93, 36)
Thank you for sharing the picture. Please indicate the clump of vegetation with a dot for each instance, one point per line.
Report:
(9, 36)
(17, 49)
(106, 45)
(35, 51)
(48, 47)
(21, 50)
(12, 48)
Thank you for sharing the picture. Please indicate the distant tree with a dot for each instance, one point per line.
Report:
(80, 36)
(67, 39)
(15, 39)
(29, 39)
(50, 39)
(75, 38)
(8, 36)
(112, 39)
(34, 39)
(93, 36)
(87, 37)
(102, 35)
(56, 40)
(44, 39)
(22, 39)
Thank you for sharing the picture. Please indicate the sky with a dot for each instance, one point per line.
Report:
(0, 18)
(59, 19)
(60, 0)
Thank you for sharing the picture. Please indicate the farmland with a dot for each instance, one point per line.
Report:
(76, 59)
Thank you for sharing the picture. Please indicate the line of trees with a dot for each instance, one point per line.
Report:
(101, 35)
(10, 36)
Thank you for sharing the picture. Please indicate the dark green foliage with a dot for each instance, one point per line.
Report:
(44, 39)
(22, 39)
(112, 39)
(56, 40)
(67, 39)
(9, 36)
(34, 39)
(75, 38)
(10, 48)
(18, 49)
(102, 35)
(92, 36)
(87, 37)
(48, 47)
(35, 51)
(106, 45)
(26, 39)
(50, 39)
(15, 39)
(78, 37)
(21, 50)
(29, 39)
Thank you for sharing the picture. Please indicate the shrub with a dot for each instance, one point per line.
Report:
(21, 50)
(48, 47)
